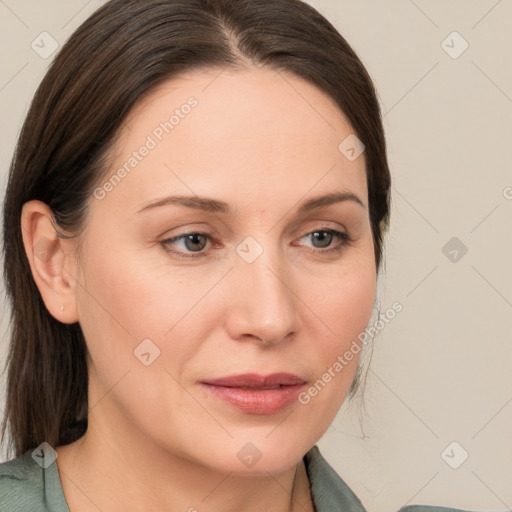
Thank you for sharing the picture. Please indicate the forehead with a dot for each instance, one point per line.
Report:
(257, 132)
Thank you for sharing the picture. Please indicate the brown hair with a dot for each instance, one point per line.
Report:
(113, 60)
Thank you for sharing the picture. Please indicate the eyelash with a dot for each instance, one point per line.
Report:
(345, 238)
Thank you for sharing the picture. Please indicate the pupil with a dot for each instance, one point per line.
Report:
(193, 238)
(323, 238)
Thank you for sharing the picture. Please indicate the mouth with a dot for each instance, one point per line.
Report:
(257, 394)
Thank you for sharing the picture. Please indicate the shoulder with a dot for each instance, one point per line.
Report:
(431, 508)
(21, 484)
(331, 494)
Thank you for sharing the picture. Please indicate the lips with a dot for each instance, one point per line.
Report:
(253, 380)
(257, 394)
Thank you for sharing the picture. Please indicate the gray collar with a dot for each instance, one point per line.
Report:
(329, 492)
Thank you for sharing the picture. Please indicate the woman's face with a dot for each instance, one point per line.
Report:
(262, 284)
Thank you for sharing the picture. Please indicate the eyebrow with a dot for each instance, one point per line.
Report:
(210, 205)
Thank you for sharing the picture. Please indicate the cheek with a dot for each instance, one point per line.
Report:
(127, 299)
(342, 309)
(343, 298)
(348, 304)
(123, 305)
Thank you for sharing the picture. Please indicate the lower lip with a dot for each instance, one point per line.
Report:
(257, 401)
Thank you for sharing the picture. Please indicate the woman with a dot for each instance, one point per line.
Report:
(202, 189)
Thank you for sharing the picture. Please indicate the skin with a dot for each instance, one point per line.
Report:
(264, 142)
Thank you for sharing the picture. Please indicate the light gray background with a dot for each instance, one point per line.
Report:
(441, 369)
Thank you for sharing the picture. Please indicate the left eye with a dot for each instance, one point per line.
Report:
(325, 237)
(195, 242)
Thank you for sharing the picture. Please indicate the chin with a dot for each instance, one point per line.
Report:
(257, 453)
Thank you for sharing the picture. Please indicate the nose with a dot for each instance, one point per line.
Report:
(262, 305)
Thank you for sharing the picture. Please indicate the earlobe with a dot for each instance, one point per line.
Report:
(48, 256)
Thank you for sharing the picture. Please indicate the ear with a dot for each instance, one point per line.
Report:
(51, 261)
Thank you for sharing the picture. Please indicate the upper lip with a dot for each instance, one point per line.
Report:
(254, 380)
